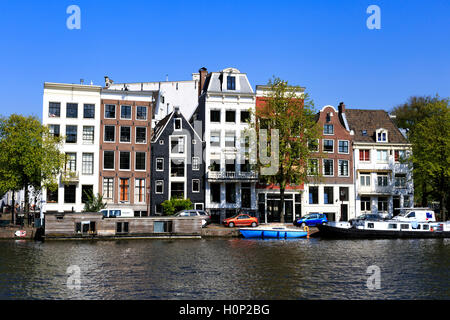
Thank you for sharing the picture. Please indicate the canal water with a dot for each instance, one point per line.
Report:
(226, 269)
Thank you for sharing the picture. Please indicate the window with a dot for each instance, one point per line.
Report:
(159, 187)
(365, 204)
(52, 196)
(177, 124)
(177, 168)
(70, 193)
(382, 179)
(328, 145)
(86, 192)
(404, 226)
(343, 146)
(54, 109)
(231, 83)
(399, 155)
(108, 188)
(215, 165)
(196, 163)
(364, 180)
(140, 161)
(245, 116)
(230, 165)
(406, 202)
(141, 135)
(71, 161)
(110, 134)
(122, 227)
(230, 116)
(87, 163)
(382, 155)
(370, 225)
(71, 134)
(54, 129)
(400, 180)
(139, 191)
(364, 155)
(328, 169)
(343, 193)
(382, 204)
(125, 134)
(215, 139)
(162, 226)
(215, 192)
(141, 113)
(72, 110)
(195, 185)
(110, 111)
(230, 192)
(125, 112)
(177, 145)
(343, 168)
(89, 111)
(381, 136)
(313, 145)
(159, 164)
(108, 160)
(88, 134)
(124, 159)
(328, 129)
(230, 139)
(392, 226)
(328, 195)
(313, 195)
(246, 195)
(313, 166)
(124, 190)
(215, 115)
(177, 190)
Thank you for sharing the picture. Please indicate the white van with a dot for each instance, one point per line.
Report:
(416, 214)
(117, 213)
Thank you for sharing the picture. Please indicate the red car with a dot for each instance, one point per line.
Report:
(241, 220)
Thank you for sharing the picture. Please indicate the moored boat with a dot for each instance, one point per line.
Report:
(273, 232)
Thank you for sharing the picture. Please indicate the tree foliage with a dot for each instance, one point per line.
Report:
(94, 203)
(172, 206)
(290, 111)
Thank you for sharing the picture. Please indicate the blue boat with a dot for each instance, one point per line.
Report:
(273, 232)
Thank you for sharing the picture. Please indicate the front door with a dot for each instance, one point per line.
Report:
(344, 212)
(396, 203)
(273, 210)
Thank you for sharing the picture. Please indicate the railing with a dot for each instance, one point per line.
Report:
(68, 177)
(230, 175)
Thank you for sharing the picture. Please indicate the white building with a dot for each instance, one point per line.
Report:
(225, 105)
(73, 111)
(383, 182)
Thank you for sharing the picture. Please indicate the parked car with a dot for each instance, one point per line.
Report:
(241, 220)
(311, 220)
(366, 216)
(417, 214)
(206, 218)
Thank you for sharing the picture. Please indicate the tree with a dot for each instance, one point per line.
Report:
(29, 155)
(94, 203)
(172, 206)
(430, 139)
(290, 112)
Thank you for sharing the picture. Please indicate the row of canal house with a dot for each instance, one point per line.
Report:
(138, 144)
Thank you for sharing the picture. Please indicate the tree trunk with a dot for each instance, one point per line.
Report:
(13, 206)
(443, 206)
(282, 203)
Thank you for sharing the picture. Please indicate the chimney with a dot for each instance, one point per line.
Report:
(203, 73)
(108, 82)
(341, 107)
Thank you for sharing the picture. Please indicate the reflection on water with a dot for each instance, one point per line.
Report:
(226, 269)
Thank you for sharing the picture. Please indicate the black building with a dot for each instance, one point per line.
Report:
(178, 169)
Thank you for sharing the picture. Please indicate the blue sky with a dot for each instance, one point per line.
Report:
(322, 45)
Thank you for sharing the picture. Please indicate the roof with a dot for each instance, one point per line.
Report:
(371, 120)
(160, 126)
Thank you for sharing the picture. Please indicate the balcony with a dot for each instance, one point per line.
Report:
(232, 175)
(374, 190)
(70, 177)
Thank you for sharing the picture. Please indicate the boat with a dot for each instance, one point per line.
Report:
(389, 229)
(273, 232)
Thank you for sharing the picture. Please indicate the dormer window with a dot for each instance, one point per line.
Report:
(364, 132)
(382, 135)
(328, 118)
(177, 124)
(231, 83)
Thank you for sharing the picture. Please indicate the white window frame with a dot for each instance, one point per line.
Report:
(348, 147)
(196, 168)
(156, 186)
(348, 168)
(146, 113)
(328, 134)
(90, 164)
(156, 165)
(175, 126)
(93, 135)
(323, 145)
(135, 135)
(115, 111)
(379, 151)
(112, 188)
(104, 134)
(145, 161)
(114, 160)
(365, 176)
(325, 175)
(199, 187)
(120, 134)
(129, 160)
(131, 110)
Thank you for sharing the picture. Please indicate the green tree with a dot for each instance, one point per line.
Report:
(172, 206)
(94, 203)
(290, 111)
(29, 155)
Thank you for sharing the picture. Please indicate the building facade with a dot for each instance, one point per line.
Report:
(73, 111)
(225, 106)
(178, 169)
(124, 149)
(334, 193)
(383, 182)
